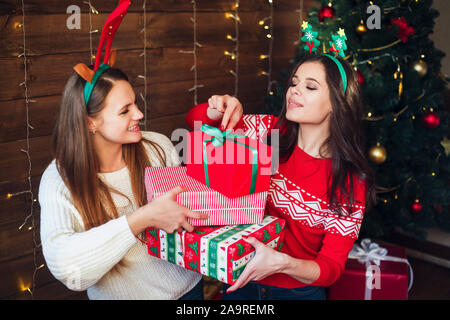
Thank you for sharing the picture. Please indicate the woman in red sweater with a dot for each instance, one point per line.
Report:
(321, 187)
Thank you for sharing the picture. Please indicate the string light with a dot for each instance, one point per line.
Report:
(229, 15)
(263, 21)
(229, 37)
(268, 56)
(91, 31)
(194, 53)
(234, 55)
(396, 115)
(30, 217)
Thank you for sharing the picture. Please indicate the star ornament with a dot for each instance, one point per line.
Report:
(305, 25)
(341, 33)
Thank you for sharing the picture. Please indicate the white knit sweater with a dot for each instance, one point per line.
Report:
(83, 260)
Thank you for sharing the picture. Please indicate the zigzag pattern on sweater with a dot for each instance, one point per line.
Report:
(256, 126)
(312, 211)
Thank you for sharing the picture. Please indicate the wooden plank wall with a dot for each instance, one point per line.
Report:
(52, 49)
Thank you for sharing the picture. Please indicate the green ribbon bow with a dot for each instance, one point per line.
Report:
(217, 140)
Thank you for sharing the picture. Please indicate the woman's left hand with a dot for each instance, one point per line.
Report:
(266, 262)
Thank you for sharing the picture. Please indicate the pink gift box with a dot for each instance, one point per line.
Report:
(198, 197)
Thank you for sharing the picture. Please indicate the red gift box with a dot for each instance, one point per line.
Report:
(365, 280)
(219, 252)
(236, 165)
(198, 197)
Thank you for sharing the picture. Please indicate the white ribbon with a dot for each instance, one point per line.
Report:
(370, 252)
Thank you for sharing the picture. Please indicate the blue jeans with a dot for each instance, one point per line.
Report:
(256, 291)
(195, 293)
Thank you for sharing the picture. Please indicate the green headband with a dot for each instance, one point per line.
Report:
(89, 86)
(341, 71)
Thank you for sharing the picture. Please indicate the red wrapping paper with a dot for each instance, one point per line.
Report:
(394, 280)
(229, 165)
(198, 197)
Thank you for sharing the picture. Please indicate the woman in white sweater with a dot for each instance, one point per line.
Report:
(93, 200)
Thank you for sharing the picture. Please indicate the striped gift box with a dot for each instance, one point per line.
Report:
(219, 252)
(198, 197)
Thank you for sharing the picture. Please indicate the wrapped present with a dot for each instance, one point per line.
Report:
(198, 197)
(232, 164)
(219, 252)
(374, 273)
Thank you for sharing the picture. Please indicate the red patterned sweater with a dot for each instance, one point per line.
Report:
(298, 194)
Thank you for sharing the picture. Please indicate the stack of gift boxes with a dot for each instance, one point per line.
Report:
(227, 176)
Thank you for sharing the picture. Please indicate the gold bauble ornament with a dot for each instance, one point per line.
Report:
(377, 154)
(361, 29)
(420, 67)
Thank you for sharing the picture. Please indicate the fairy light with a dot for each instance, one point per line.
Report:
(235, 16)
(230, 37)
(91, 11)
(234, 55)
(30, 217)
(268, 56)
(195, 45)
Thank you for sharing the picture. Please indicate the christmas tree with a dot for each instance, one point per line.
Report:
(399, 71)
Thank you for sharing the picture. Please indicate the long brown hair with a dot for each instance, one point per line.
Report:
(346, 140)
(77, 161)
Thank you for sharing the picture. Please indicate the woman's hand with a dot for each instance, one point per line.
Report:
(164, 213)
(266, 262)
(227, 107)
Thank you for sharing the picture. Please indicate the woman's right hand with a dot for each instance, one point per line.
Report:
(164, 213)
(227, 107)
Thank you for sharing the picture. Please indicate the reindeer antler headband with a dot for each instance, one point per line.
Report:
(107, 36)
(337, 46)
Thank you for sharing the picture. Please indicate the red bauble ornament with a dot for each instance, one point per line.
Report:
(361, 78)
(416, 207)
(430, 120)
(326, 12)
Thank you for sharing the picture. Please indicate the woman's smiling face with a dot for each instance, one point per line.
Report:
(118, 121)
(308, 96)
